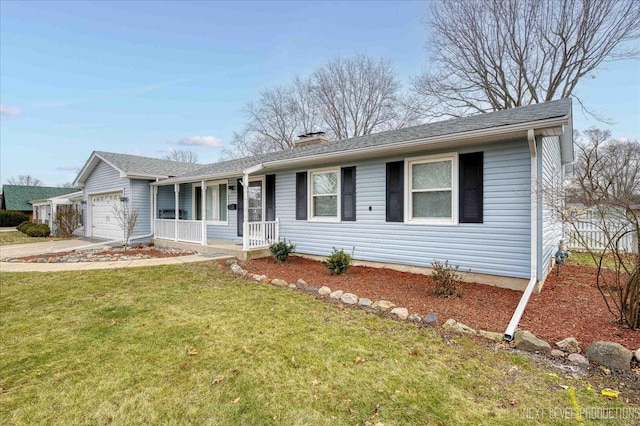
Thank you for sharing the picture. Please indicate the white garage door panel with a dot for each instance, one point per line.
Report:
(103, 220)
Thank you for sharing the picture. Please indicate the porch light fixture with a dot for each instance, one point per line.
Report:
(124, 199)
(83, 202)
(231, 187)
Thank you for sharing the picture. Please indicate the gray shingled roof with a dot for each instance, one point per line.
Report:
(530, 113)
(137, 165)
(17, 197)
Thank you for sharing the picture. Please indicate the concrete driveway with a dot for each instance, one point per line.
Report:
(31, 249)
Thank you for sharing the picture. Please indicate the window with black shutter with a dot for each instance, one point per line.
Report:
(348, 193)
(471, 187)
(301, 196)
(395, 191)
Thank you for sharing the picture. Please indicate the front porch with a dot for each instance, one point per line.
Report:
(199, 216)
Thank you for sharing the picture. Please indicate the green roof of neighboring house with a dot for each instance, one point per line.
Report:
(17, 197)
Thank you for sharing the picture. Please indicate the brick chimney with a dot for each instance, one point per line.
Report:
(312, 138)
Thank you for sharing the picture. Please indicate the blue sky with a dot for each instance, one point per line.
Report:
(144, 77)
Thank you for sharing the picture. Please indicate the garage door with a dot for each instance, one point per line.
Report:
(103, 221)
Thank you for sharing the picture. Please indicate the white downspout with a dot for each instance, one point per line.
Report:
(517, 314)
(245, 211)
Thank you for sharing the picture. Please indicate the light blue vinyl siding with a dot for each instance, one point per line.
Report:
(141, 200)
(499, 246)
(550, 231)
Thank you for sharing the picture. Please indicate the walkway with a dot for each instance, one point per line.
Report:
(20, 250)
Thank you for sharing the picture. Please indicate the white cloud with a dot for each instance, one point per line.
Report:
(208, 141)
(9, 111)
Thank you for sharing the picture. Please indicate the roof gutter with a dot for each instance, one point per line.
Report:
(524, 300)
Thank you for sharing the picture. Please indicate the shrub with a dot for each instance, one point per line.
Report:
(25, 226)
(11, 218)
(446, 280)
(280, 251)
(339, 262)
(41, 230)
(67, 220)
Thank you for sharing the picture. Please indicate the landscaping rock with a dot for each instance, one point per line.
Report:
(610, 354)
(578, 359)
(279, 283)
(415, 318)
(430, 320)
(570, 345)
(401, 313)
(293, 286)
(301, 283)
(638, 355)
(311, 289)
(264, 279)
(349, 299)
(336, 294)
(237, 269)
(526, 341)
(453, 325)
(383, 305)
(324, 291)
(557, 353)
(363, 301)
(491, 335)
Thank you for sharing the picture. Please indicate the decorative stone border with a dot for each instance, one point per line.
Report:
(608, 354)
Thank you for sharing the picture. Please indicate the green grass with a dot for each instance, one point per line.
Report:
(17, 237)
(112, 346)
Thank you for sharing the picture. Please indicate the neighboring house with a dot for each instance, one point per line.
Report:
(18, 197)
(45, 210)
(465, 190)
(108, 179)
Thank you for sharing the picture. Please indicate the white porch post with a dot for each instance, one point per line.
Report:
(154, 210)
(54, 210)
(34, 214)
(176, 192)
(203, 209)
(245, 212)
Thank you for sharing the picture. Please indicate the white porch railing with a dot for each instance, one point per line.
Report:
(165, 229)
(591, 234)
(190, 231)
(260, 234)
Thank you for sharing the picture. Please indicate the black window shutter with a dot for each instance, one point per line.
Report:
(301, 196)
(270, 197)
(395, 191)
(348, 182)
(471, 183)
(240, 207)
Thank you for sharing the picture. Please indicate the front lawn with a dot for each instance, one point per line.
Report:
(189, 344)
(17, 237)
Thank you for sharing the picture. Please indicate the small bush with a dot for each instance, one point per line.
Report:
(25, 226)
(338, 262)
(11, 218)
(280, 251)
(446, 280)
(41, 230)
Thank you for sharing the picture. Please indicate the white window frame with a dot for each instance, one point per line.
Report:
(310, 196)
(408, 191)
(198, 187)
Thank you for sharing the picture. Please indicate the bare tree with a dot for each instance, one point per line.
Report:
(182, 156)
(67, 220)
(605, 192)
(488, 55)
(345, 98)
(25, 180)
(127, 219)
(358, 96)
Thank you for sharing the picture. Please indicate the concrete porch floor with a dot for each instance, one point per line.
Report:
(216, 246)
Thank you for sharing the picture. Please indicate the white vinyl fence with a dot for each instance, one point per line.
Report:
(588, 232)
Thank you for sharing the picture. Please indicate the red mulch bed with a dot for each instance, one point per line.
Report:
(569, 305)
